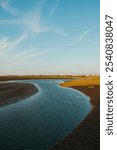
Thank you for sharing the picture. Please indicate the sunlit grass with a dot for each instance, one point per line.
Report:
(83, 81)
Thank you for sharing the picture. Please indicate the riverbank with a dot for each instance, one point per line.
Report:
(33, 77)
(12, 92)
(87, 135)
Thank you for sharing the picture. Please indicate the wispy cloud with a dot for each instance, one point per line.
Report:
(5, 5)
(33, 21)
(23, 57)
(7, 44)
(53, 9)
(58, 31)
(35, 54)
(82, 36)
(33, 24)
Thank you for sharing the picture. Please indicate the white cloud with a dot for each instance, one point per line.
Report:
(33, 24)
(4, 4)
(22, 58)
(53, 9)
(35, 54)
(33, 21)
(4, 43)
(82, 36)
(7, 44)
(58, 31)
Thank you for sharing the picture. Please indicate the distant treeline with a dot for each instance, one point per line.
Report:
(26, 77)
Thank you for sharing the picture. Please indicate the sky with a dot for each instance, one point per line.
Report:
(49, 37)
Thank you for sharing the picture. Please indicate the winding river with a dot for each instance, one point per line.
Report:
(39, 122)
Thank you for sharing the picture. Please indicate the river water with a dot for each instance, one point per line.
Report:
(39, 122)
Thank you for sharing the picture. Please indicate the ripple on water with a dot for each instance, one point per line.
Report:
(42, 120)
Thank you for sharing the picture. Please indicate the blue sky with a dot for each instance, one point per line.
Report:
(49, 37)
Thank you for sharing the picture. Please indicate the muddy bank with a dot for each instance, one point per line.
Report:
(87, 135)
(13, 92)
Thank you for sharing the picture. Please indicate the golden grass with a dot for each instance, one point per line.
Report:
(83, 81)
(28, 77)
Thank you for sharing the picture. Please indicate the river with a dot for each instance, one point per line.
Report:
(39, 122)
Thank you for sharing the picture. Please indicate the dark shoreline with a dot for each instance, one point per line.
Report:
(87, 135)
(12, 92)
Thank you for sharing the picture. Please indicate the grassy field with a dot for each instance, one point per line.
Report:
(83, 81)
(28, 77)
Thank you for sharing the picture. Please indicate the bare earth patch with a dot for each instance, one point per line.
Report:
(13, 92)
